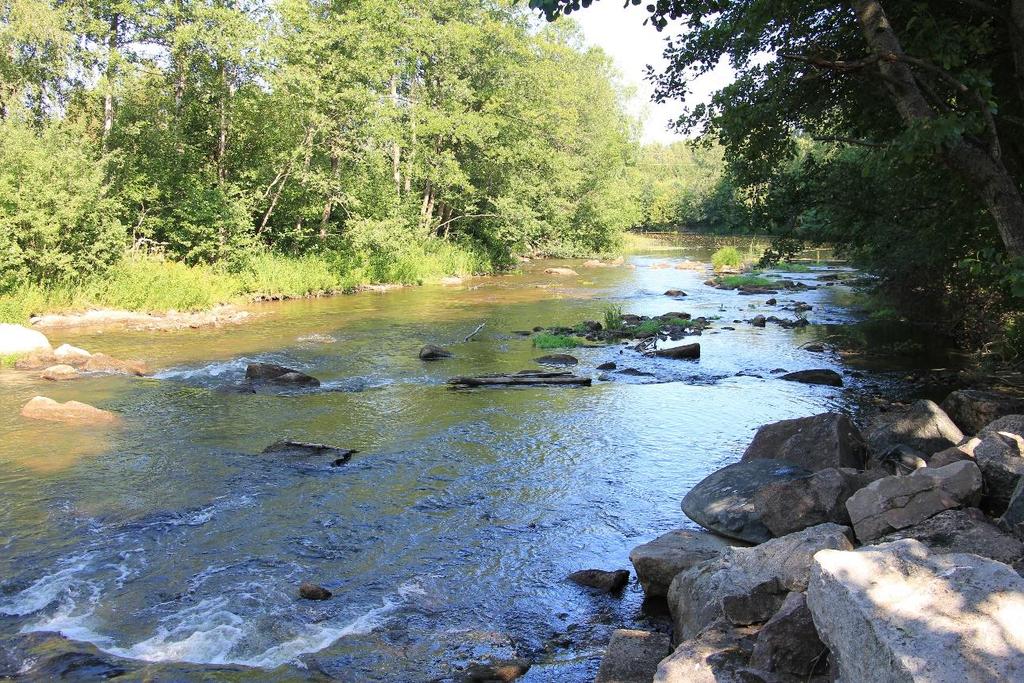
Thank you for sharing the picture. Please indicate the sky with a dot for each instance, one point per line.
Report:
(621, 33)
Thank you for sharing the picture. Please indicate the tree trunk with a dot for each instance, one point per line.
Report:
(396, 149)
(984, 173)
(108, 97)
(325, 218)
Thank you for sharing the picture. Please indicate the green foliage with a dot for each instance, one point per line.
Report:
(734, 281)
(546, 340)
(300, 147)
(57, 220)
(727, 257)
(613, 318)
(680, 322)
(791, 267)
(649, 327)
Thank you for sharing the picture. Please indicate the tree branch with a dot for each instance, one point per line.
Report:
(852, 141)
(833, 65)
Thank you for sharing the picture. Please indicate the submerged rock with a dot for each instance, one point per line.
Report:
(602, 580)
(431, 352)
(101, 362)
(822, 376)
(823, 441)
(311, 591)
(43, 408)
(59, 373)
(499, 671)
(941, 618)
(558, 359)
(270, 373)
(633, 656)
(339, 456)
(560, 271)
(894, 503)
(16, 340)
(659, 561)
(723, 501)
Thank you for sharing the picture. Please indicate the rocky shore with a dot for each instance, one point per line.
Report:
(889, 551)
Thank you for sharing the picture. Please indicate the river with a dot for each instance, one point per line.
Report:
(447, 538)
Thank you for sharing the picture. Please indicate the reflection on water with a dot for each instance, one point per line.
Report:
(446, 539)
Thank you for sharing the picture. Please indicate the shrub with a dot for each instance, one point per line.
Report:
(613, 318)
(545, 340)
(727, 257)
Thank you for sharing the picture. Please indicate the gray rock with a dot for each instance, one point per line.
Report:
(682, 352)
(900, 613)
(788, 506)
(431, 352)
(962, 531)
(922, 426)
(971, 409)
(1008, 424)
(269, 373)
(559, 359)
(607, 366)
(758, 321)
(720, 654)
(748, 584)
(1000, 455)
(901, 459)
(815, 443)
(338, 456)
(633, 656)
(602, 580)
(723, 501)
(894, 503)
(658, 561)
(788, 643)
(1013, 517)
(826, 377)
(495, 671)
(948, 456)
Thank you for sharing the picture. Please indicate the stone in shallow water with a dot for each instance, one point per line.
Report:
(633, 656)
(432, 352)
(310, 591)
(660, 560)
(558, 359)
(940, 618)
(723, 501)
(600, 579)
(823, 376)
(270, 373)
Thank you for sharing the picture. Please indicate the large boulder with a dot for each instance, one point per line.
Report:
(1013, 517)
(898, 612)
(823, 376)
(17, 340)
(633, 656)
(1008, 424)
(815, 443)
(723, 501)
(1000, 455)
(972, 409)
(43, 408)
(681, 352)
(788, 506)
(895, 503)
(748, 585)
(658, 561)
(788, 643)
(719, 654)
(270, 373)
(922, 425)
(962, 531)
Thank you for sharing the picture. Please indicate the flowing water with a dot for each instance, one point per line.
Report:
(446, 539)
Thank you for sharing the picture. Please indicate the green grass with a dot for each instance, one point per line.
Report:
(791, 267)
(679, 322)
(649, 326)
(545, 340)
(745, 281)
(727, 257)
(613, 318)
(154, 285)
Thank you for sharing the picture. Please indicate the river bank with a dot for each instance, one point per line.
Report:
(448, 537)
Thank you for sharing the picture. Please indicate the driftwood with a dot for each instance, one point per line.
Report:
(475, 332)
(521, 378)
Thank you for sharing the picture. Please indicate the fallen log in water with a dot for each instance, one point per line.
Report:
(521, 378)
